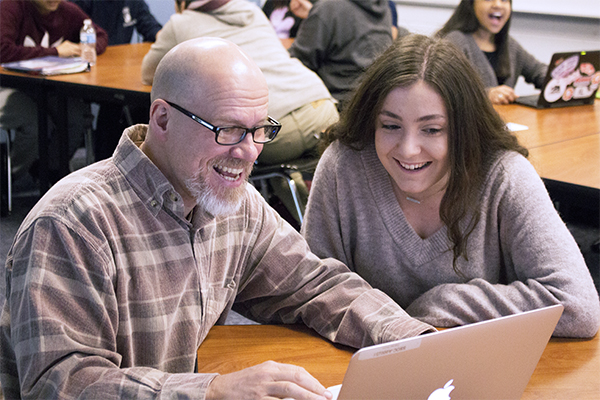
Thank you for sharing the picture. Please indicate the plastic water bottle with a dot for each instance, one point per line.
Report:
(87, 41)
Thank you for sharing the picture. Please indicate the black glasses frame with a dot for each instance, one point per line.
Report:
(216, 129)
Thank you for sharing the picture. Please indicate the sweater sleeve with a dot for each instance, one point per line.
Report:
(541, 261)
(529, 67)
(11, 20)
(321, 227)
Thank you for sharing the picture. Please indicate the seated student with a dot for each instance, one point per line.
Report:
(119, 272)
(480, 29)
(283, 19)
(37, 28)
(340, 38)
(426, 194)
(119, 18)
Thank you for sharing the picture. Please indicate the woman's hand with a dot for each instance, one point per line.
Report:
(502, 95)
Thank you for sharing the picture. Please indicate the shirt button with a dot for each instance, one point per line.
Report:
(154, 203)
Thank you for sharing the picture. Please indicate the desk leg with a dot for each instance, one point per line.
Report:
(43, 142)
(62, 135)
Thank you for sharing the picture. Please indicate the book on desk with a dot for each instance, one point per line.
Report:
(48, 65)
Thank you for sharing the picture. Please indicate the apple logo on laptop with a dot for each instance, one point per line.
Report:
(442, 393)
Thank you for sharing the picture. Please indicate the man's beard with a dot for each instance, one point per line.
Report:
(218, 201)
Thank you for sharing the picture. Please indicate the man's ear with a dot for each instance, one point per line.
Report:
(159, 118)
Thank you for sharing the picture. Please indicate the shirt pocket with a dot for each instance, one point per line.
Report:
(218, 298)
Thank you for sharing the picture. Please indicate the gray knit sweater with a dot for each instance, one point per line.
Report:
(521, 62)
(521, 255)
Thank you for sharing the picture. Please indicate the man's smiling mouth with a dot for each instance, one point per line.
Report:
(230, 174)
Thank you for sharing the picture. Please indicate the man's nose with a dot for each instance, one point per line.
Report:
(246, 149)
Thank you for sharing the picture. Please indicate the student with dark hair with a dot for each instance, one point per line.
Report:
(425, 193)
(120, 19)
(339, 39)
(37, 28)
(480, 28)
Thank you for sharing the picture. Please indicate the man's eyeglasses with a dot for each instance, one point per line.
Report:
(230, 135)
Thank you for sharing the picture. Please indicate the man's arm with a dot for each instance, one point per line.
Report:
(286, 283)
(63, 324)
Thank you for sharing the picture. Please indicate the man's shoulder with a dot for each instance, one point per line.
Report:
(100, 181)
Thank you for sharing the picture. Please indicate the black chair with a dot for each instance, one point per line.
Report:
(5, 173)
(262, 174)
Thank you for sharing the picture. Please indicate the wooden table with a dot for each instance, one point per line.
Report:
(564, 143)
(568, 369)
(116, 77)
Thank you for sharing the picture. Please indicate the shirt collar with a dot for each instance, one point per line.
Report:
(146, 179)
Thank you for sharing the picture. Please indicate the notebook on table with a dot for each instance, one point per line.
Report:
(486, 360)
(48, 65)
(572, 79)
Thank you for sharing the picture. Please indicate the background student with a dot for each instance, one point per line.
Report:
(119, 272)
(120, 19)
(426, 194)
(480, 28)
(37, 28)
(340, 38)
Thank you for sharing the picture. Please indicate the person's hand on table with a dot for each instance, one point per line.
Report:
(300, 8)
(269, 380)
(68, 49)
(502, 95)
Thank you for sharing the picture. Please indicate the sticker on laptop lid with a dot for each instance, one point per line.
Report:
(387, 349)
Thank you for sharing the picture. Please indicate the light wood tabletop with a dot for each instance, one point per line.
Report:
(568, 368)
(119, 67)
(551, 126)
(564, 143)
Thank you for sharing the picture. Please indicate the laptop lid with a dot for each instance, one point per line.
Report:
(486, 360)
(572, 79)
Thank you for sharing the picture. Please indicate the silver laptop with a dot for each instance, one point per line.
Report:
(486, 360)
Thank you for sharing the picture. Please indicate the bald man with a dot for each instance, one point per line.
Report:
(118, 273)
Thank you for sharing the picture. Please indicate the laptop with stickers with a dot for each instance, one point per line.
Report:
(572, 79)
(486, 360)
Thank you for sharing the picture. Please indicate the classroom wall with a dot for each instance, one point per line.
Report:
(543, 27)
